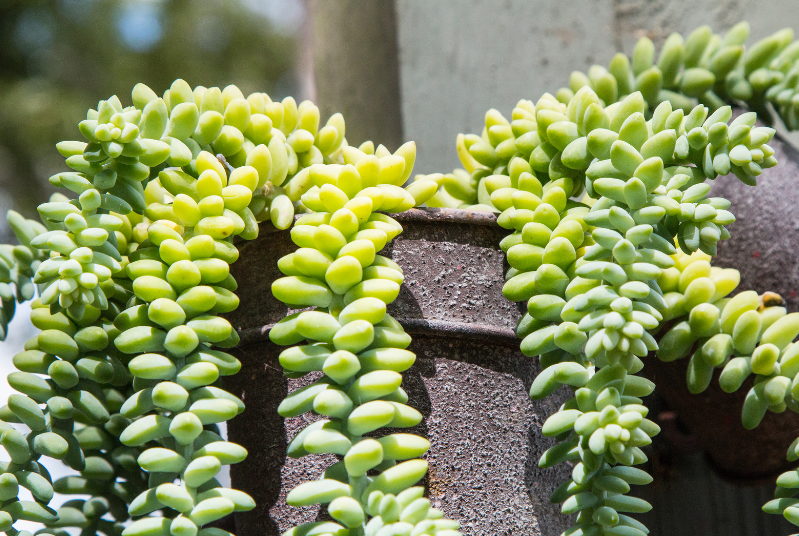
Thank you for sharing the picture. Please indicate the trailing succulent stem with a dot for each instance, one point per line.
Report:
(18, 265)
(358, 347)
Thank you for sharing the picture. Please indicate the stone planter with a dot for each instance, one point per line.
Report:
(470, 382)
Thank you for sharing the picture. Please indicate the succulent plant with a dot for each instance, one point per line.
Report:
(603, 188)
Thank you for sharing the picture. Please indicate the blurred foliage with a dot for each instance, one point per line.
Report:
(59, 57)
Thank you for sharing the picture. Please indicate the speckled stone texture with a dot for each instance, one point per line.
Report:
(470, 382)
(764, 240)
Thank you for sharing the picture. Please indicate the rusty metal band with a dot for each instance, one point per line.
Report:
(485, 333)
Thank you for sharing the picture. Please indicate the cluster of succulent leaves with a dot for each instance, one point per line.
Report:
(132, 269)
(625, 271)
(358, 348)
(705, 68)
(122, 382)
(746, 335)
(18, 265)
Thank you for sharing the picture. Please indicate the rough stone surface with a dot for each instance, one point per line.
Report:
(470, 382)
(486, 436)
(268, 474)
(763, 242)
(484, 429)
(453, 269)
(452, 262)
(255, 270)
(458, 58)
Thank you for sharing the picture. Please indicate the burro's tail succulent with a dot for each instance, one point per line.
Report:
(591, 271)
(122, 383)
(704, 68)
(603, 187)
(358, 347)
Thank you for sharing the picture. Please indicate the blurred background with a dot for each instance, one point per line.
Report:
(398, 70)
(59, 57)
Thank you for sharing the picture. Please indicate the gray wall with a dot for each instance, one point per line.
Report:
(458, 58)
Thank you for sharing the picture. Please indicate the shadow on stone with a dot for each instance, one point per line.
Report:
(262, 432)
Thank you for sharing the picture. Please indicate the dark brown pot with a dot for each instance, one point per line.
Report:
(470, 382)
(714, 421)
(764, 241)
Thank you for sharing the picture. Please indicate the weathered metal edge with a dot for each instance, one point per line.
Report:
(415, 215)
(447, 215)
(487, 333)
(423, 214)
